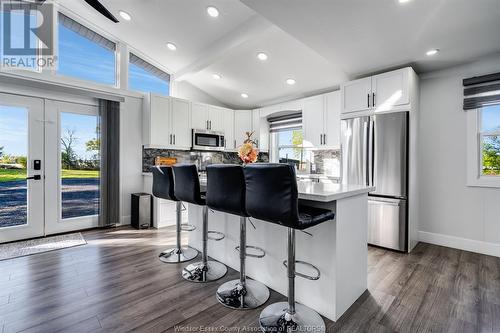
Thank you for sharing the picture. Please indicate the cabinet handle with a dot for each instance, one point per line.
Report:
(174, 139)
(210, 124)
(320, 139)
(324, 139)
(234, 143)
(206, 126)
(373, 99)
(368, 100)
(170, 139)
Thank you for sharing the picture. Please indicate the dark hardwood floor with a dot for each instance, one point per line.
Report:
(117, 284)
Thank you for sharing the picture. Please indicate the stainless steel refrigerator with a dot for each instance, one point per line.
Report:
(375, 152)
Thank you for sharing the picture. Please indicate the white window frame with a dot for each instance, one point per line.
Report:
(475, 177)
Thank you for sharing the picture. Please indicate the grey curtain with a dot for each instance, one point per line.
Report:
(110, 163)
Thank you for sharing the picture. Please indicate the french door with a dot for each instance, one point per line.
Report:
(49, 167)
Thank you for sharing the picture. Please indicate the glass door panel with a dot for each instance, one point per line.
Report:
(21, 144)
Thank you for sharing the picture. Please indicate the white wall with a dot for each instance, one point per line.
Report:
(187, 91)
(451, 213)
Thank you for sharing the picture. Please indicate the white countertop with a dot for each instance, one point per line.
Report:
(326, 192)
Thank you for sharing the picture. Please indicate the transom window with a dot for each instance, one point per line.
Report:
(144, 77)
(84, 54)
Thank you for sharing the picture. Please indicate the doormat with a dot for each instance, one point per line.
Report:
(40, 245)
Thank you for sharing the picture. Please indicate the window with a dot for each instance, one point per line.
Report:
(144, 77)
(84, 54)
(484, 147)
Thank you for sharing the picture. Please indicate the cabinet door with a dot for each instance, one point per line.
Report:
(216, 118)
(229, 129)
(159, 121)
(332, 119)
(199, 116)
(242, 124)
(356, 95)
(260, 127)
(391, 89)
(312, 120)
(181, 126)
(256, 126)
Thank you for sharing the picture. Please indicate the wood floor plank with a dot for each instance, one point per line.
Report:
(116, 283)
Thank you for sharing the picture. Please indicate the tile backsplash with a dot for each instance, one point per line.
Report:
(326, 162)
(200, 158)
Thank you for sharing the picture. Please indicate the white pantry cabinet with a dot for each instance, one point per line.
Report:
(321, 120)
(166, 122)
(383, 92)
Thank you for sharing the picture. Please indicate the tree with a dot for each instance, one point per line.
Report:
(491, 155)
(297, 140)
(1, 151)
(68, 155)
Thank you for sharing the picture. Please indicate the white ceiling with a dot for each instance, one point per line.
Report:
(319, 43)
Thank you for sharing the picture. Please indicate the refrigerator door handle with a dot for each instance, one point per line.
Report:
(366, 152)
(371, 152)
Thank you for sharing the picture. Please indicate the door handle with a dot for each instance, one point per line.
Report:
(35, 177)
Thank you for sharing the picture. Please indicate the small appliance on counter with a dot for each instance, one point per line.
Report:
(165, 161)
(208, 140)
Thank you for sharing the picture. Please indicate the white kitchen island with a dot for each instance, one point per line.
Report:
(338, 248)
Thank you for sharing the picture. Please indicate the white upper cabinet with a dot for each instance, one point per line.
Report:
(242, 124)
(356, 95)
(199, 116)
(167, 122)
(180, 125)
(390, 90)
(216, 118)
(383, 92)
(228, 118)
(332, 120)
(260, 127)
(321, 121)
(313, 109)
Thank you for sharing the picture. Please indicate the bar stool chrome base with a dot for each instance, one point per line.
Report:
(233, 295)
(198, 272)
(176, 255)
(275, 318)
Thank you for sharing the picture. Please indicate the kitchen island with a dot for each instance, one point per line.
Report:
(338, 247)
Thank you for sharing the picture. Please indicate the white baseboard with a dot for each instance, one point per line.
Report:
(492, 249)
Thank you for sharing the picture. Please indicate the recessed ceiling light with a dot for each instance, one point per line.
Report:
(262, 56)
(432, 52)
(171, 46)
(126, 16)
(290, 82)
(404, 1)
(216, 76)
(212, 11)
(244, 95)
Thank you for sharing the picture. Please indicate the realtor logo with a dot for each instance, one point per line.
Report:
(27, 34)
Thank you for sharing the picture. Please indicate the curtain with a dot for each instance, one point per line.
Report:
(481, 91)
(109, 112)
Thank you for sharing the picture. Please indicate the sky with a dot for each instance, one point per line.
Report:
(491, 118)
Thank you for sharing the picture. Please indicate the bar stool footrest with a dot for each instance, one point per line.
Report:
(302, 275)
(260, 251)
(188, 227)
(220, 236)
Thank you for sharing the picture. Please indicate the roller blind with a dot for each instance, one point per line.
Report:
(86, 32)
(148, 67)
(289, 121)
(481, 91)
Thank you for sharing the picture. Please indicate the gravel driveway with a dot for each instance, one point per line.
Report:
(80, 197)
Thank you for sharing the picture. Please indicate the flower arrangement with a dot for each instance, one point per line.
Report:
(247, 151)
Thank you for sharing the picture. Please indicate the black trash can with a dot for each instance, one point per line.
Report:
(142, 211)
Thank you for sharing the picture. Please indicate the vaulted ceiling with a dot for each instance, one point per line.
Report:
(318, 43)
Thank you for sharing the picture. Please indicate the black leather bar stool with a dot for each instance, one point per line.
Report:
(187, 189)
(163, 187)
(226, 193)
(271, 195)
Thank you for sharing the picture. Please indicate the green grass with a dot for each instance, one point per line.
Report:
(13, 175)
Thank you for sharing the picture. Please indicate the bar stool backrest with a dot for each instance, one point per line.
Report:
(187, 184)
(271, 193)
(163, 183)
(226, 189)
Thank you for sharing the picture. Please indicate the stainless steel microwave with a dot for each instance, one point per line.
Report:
(208, 140)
